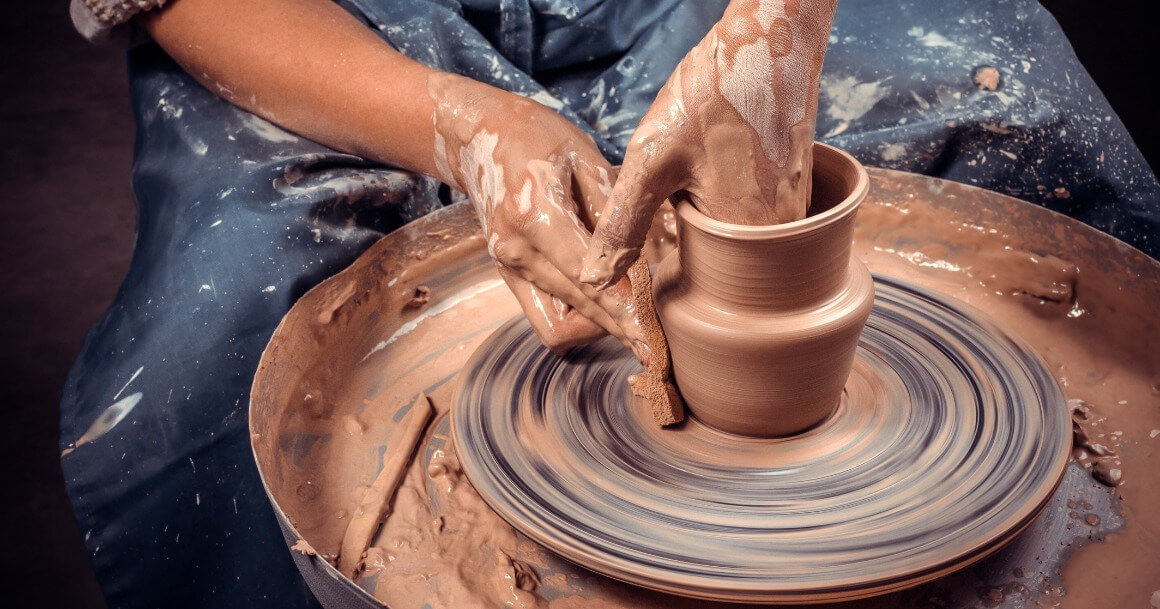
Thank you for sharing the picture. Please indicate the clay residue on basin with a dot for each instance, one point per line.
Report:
(1084, 302)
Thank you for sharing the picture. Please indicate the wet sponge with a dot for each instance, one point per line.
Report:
(655, 384)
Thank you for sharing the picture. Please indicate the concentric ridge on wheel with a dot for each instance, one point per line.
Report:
(949, 440)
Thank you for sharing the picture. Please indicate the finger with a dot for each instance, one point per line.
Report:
(520, 257)
(562, 239)
(662, 235)
(613, 309)
(592, 181)
(558, 325)
(591, 185)
(645, 181)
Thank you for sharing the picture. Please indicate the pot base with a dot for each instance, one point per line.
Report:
(949, 440)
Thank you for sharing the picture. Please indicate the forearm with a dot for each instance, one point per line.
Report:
(780, 43)
(797, 30)
(768, 58)
(310, 67)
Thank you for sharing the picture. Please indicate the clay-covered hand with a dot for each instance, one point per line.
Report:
(731, 131)
(537, 183)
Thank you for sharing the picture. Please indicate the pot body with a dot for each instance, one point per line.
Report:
(763, 321)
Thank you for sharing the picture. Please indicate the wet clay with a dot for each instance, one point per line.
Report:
(1081, 300)
(351, 358)
(763, 321)
(370, 509)
(949, 439)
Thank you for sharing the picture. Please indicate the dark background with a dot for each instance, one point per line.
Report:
(66, 236)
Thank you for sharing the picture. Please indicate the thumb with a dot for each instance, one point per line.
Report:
(624, 223)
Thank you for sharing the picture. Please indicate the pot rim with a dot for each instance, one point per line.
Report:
(743, 232)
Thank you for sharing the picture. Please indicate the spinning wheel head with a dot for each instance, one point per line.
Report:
(949, 440)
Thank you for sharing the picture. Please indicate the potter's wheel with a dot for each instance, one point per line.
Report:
(353, 354)
(949, 440)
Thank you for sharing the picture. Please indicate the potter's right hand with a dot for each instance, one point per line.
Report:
(731, 131)
(536, 182)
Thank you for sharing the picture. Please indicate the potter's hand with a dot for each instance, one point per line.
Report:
(536, 182)
(731, 131)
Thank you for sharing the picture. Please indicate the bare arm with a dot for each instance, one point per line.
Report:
(317, 72)
(534, 178)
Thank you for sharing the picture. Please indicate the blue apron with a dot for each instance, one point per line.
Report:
(237, 218)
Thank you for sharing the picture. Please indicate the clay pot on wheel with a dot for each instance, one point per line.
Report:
(763, 321)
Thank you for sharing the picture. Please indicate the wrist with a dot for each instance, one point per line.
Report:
(463, 117)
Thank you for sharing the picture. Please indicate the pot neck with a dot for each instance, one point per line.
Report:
(782, 270)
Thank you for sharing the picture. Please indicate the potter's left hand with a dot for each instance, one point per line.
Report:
(537, 183)
(731, 131)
